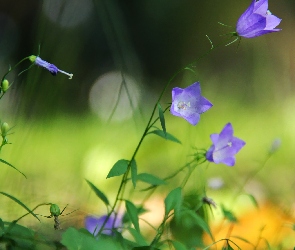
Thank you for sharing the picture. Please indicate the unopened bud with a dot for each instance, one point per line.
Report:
(4, 129)
(32, 58)
(5, 85)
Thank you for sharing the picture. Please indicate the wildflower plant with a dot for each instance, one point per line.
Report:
(185, 214)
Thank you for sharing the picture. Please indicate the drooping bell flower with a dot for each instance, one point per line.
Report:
(257, 20)
(46, 65)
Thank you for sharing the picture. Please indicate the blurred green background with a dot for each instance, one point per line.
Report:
(69, 130)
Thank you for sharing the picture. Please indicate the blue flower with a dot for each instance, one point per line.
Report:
(188, 103)
(257, 20)
(224, 147)
(46, 65)
(93, 224)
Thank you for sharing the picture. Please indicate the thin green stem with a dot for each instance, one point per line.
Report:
(11, 69)
(121, 189)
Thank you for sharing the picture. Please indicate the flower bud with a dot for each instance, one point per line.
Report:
(32, 58)
(4, 129)
(4, 85)
(54, 210)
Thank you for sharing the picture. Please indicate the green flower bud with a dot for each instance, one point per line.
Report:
(32, 58)
(5, 85)
(54, 210)
(4, 129)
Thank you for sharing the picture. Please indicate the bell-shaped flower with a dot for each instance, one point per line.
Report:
(188, 103)
(93, 224)
(50, 67)
(224, 147)
(257, 20)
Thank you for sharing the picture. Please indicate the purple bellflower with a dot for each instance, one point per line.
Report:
(46, 65)
(224, 147)
(93, 224)
(257, 20)
(188, 103)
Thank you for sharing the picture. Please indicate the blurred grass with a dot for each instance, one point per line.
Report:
(58, 153)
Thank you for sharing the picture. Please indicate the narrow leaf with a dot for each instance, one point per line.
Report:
(7, 163)
(178, 246)
(119, 168)
(168, 136)
(227, 247)
(151, 179)
(228, 214)
(133, 172)
(173, 201)
(21, 204)
(132, 212)
(137, 237)
(99, 194)
(201, 222)
(162, 118)
(254, 201)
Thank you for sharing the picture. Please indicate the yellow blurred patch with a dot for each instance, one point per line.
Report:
(265, 226)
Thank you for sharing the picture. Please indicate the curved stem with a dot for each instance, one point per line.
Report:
(121, 189)
(11, 69)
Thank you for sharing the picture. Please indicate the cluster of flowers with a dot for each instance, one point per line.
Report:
(188, 103)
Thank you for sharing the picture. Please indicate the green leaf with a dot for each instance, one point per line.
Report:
(151, 179)
(145, 248)
(133, 172)
(200, 221)
(254, 201)
(119, 168)
(228, 214)
(173, 201)
(7, 163)
(139, 209)
(137, 237)
(168, 136)
(75, 239)
(99, 194)
(178, 246)
(162, 119)
(132, 213)
(227, 247)
(22, 237)
(21, 204)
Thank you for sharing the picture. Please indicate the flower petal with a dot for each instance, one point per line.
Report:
(260, 7)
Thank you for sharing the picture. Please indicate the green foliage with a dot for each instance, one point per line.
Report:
(151, 179)
(166, 135)
(228, 215)
(137, 237)
(189, 226)
(7, 163)
(119, 168)
(133, 167)
(178, 245)
(253, 200)
(162, 119)
(81, 239)
(132, 213)
(173, 201)
(227, 247)
(20, 203)
(99, 194)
